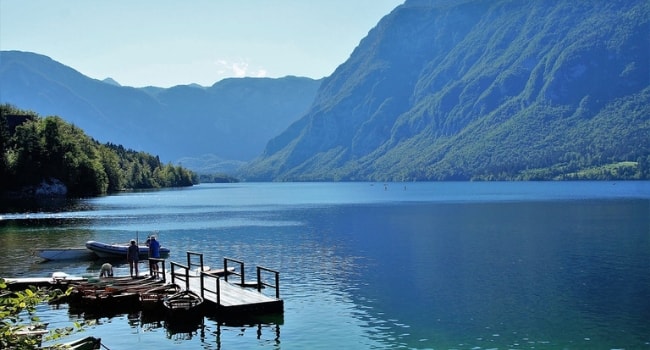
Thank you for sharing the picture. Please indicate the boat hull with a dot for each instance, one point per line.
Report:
(104, 250)
(66, 254)
(183, 306)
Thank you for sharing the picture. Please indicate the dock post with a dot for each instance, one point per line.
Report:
(225, 269)
(201, 284)
(164, 275)
(218, 290)
(187, 279)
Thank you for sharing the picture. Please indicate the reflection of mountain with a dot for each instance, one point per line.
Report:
(482, 89)
(230, 121)
(439, 274)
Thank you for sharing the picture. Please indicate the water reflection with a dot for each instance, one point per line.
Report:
(210, 332)
(436, 266)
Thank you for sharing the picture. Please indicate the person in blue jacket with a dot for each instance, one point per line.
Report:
(154, 252)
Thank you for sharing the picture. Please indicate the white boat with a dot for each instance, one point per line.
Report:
(77, 253)
(58, 278)
(105, 250)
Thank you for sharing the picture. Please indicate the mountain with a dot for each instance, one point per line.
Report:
(480, 89)
(230, 121)
(111, 81)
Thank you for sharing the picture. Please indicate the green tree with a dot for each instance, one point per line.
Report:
(18, 309)
(40, 149)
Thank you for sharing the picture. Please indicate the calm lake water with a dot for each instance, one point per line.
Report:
(553, 265)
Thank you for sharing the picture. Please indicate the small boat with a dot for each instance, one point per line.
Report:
(111, 300)
(152, 299)
(183, 305)
(34, 332)
(104, 250)
(58, 280)
(77, 253)
(87, 343)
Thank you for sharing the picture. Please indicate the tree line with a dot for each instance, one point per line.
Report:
(34, 150)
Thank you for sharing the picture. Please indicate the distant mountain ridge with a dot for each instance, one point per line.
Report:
(480, 89)
(231, 120)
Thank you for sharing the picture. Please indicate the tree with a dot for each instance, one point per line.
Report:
(36, 150)
(15, 306)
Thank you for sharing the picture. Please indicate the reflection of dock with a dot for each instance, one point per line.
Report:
(231, 297)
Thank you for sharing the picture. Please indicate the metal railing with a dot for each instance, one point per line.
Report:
(157, 273)
(184, 276)
(241, 269)
(261, 283)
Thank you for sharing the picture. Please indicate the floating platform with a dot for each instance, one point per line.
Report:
(225, 291)
(234, 297)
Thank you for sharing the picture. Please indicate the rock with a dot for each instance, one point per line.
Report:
(50, 188)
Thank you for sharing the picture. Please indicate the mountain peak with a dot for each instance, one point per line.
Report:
(111, 81)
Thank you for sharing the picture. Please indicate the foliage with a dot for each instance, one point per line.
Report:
(17, 310)
(37, 150)
(481, 90)
(217, 178)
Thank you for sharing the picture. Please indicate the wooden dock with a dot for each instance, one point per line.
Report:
(225, 290)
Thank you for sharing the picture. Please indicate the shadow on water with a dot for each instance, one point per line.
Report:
(42, 205)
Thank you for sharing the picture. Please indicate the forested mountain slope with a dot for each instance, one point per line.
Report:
(229, 121)
(481, 89)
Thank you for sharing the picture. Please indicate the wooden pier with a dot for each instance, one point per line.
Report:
(225, 290)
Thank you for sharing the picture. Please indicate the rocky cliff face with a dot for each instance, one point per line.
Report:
(477, 89)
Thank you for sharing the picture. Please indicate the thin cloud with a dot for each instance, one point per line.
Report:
(238, 69)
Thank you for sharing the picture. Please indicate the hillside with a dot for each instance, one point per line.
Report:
(481, 89)
(229, 122)
(45, 157)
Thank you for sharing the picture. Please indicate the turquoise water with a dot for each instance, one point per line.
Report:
(385, 266)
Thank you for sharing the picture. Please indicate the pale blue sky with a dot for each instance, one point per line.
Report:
(172, 42)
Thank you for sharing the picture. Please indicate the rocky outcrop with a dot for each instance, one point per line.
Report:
(48, 188)
(51, 188)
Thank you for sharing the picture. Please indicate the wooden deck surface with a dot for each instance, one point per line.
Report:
(232, 296)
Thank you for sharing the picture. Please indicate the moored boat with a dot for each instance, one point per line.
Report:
(87, 343)
(77, 253)
(105, 250)
(183, 305)
(152, 299)
(58, 280)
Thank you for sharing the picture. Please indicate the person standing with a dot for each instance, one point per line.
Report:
(154, 252)
(132, 257)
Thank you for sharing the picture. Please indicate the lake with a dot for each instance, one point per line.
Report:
(466, 265)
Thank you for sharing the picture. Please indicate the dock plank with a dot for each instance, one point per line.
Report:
(231, 295)
(233, 299)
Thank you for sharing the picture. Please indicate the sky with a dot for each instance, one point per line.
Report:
(174, 42)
